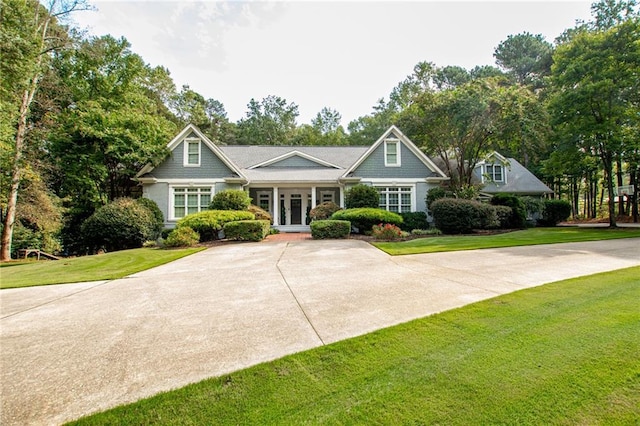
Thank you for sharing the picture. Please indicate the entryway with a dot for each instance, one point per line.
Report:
(294, 203)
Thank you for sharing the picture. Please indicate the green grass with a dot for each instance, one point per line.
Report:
(107, 266)
(526, 237)
(561, 354)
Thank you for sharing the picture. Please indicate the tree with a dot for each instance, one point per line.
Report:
(595, 98)
(208, 114)
(30, 34)
(271, 121)
(526, 57)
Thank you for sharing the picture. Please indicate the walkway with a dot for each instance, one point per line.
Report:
(69, 350)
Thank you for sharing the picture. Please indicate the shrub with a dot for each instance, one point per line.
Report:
(324, 229)
(157, 215)
(230, 199)
(365, 218)
(554, 212)
(209, 223)
(182, 237)
(518, 217)
(504, 216)
(430, 231)
(435, 194)
(324, 210)
(456, 216)
(414, 220)
(387, 232)
(361, 196)
(121, 224)
(247, 230)
(487, 217)
(260, 213)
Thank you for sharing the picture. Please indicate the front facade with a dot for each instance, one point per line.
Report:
(288, 181)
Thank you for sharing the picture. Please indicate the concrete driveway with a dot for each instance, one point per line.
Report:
(69, 350)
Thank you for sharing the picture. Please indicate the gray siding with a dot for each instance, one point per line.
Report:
(210, 166)
(295, 161)
(159, 192)
(411, 167)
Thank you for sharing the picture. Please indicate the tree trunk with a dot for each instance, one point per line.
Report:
(16, 175)
(607, 161)
(620, 183)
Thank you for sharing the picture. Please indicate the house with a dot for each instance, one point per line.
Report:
(498, 174)
(288, 181)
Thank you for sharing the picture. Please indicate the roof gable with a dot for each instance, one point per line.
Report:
(394, 133)
(295, 158)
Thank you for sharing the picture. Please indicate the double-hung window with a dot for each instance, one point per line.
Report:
(494, 172)
(395, 199)
(192, 151)
(392, 153)
(190, 200)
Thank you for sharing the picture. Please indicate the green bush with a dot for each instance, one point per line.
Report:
(414, 220)
(387, 232)
(121, 224)
(435, 194)
(518, 217)
(487, 217)
(554, 212)
(325, 229)
(230, 199)
(209, 223)
(157, 215)
(247, 230)
(504, 216)
(456, 216)
(361, 196)
(260, 213)
(365, 218)
(430, 231)
(182, 237)
(324, 210)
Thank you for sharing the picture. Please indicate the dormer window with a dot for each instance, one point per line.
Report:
(392, 153)
(192, 152)
(494, 172)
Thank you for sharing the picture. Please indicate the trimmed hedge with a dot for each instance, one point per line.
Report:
(504, 216)
(554, 212)
(456, 216)
(361, 196)
(247, 230)
(260, 213)
(365, 218)
(209, 222)
(182, 237)
(323, 211)
(121, 224)
(230, 199)
(325, 229)
(518, 217)
(414, 220)
(157, 214)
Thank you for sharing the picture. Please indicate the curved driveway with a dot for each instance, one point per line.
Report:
(69, 350)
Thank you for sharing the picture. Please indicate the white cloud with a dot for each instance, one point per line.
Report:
(344, 55)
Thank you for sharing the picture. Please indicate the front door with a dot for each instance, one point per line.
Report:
(296, 209)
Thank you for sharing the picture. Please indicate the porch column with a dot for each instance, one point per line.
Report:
(342, 196)
(313, 197)
(276, 209)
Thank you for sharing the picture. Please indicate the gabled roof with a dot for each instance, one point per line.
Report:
(519, 180)
(252, 156)
(393, 130)
(188, 130)
(291, 154)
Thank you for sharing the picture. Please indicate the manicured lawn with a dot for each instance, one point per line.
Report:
(564, 353)
(526, 237)
(107, 266)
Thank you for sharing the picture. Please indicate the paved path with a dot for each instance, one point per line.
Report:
(73, 349)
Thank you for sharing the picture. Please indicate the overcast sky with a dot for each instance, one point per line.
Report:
(343, 55)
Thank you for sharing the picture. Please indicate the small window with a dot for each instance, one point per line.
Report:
(190, 200)
(264, 201)
(494, 172)
(392, 153)
(327, 196)
(192, 152)
(395, 199)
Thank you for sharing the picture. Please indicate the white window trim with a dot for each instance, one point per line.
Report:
(186, 143)
(332, 193)
(397, 143)
(406, 185)
(171, 212)
(490, 177)
(270, 198)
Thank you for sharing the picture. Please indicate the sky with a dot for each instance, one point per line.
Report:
(336, 54)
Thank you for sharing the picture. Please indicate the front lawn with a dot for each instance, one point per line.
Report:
(107, 266)
(562, 353)
(525, 237)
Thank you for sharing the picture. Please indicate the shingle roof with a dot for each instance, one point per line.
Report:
(246, 156)
(519, 181)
